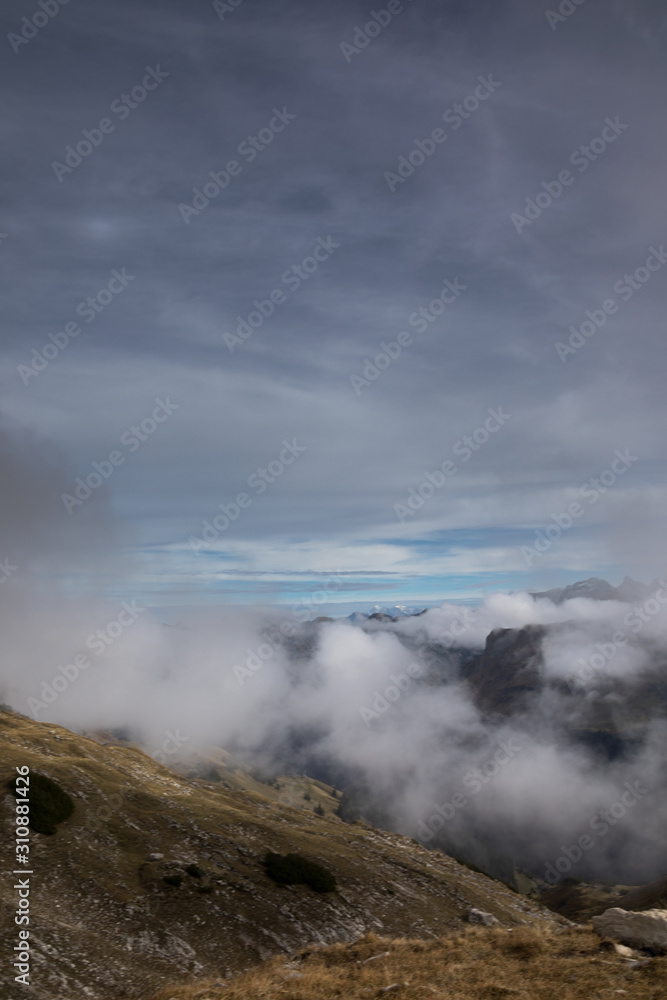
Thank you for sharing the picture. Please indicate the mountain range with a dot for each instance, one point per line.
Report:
(160, 875)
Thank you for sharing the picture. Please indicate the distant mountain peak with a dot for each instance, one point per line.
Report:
(385, 614)
(596, 589)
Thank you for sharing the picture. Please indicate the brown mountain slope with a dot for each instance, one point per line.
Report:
(526, 963)
(104, 923)
(582, 900)
(653, 895)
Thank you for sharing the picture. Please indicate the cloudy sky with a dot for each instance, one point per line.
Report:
(496, 166)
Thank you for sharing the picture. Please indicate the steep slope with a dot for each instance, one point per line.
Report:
(216, 766)
(480, 963)
(644, 897)
(507, 670)
(105, 924)
(581, 900)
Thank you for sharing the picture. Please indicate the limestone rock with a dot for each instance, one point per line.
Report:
(645, 929)
(481, 917)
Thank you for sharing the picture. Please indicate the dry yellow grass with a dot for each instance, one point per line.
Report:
(528, 963)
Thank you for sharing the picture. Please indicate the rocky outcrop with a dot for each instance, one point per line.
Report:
(647, 929)
(508, 669)
(482, 917)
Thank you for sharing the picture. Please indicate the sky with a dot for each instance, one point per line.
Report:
(352, 367)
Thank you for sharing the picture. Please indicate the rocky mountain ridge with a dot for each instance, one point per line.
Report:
(115, 909)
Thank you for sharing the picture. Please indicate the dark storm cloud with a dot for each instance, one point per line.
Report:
(322, 177)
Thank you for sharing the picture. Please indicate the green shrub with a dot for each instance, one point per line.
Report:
(195, 871)
(294, 869)
(49, 803)
(204, 888)
(318, 810)
(172, 879)
(307, 796)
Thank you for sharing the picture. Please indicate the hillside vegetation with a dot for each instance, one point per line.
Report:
(526, 963)
(117, 910)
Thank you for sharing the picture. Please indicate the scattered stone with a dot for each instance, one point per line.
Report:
(155, 857)
(619, 949)
(644, 929)
(389, 989)
(382, 954)
(481, 917)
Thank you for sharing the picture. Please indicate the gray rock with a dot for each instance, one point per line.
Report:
(481, 917)
(646, 929)
(155, 857)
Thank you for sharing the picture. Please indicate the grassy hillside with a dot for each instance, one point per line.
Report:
(527, 963)
(109, 922)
